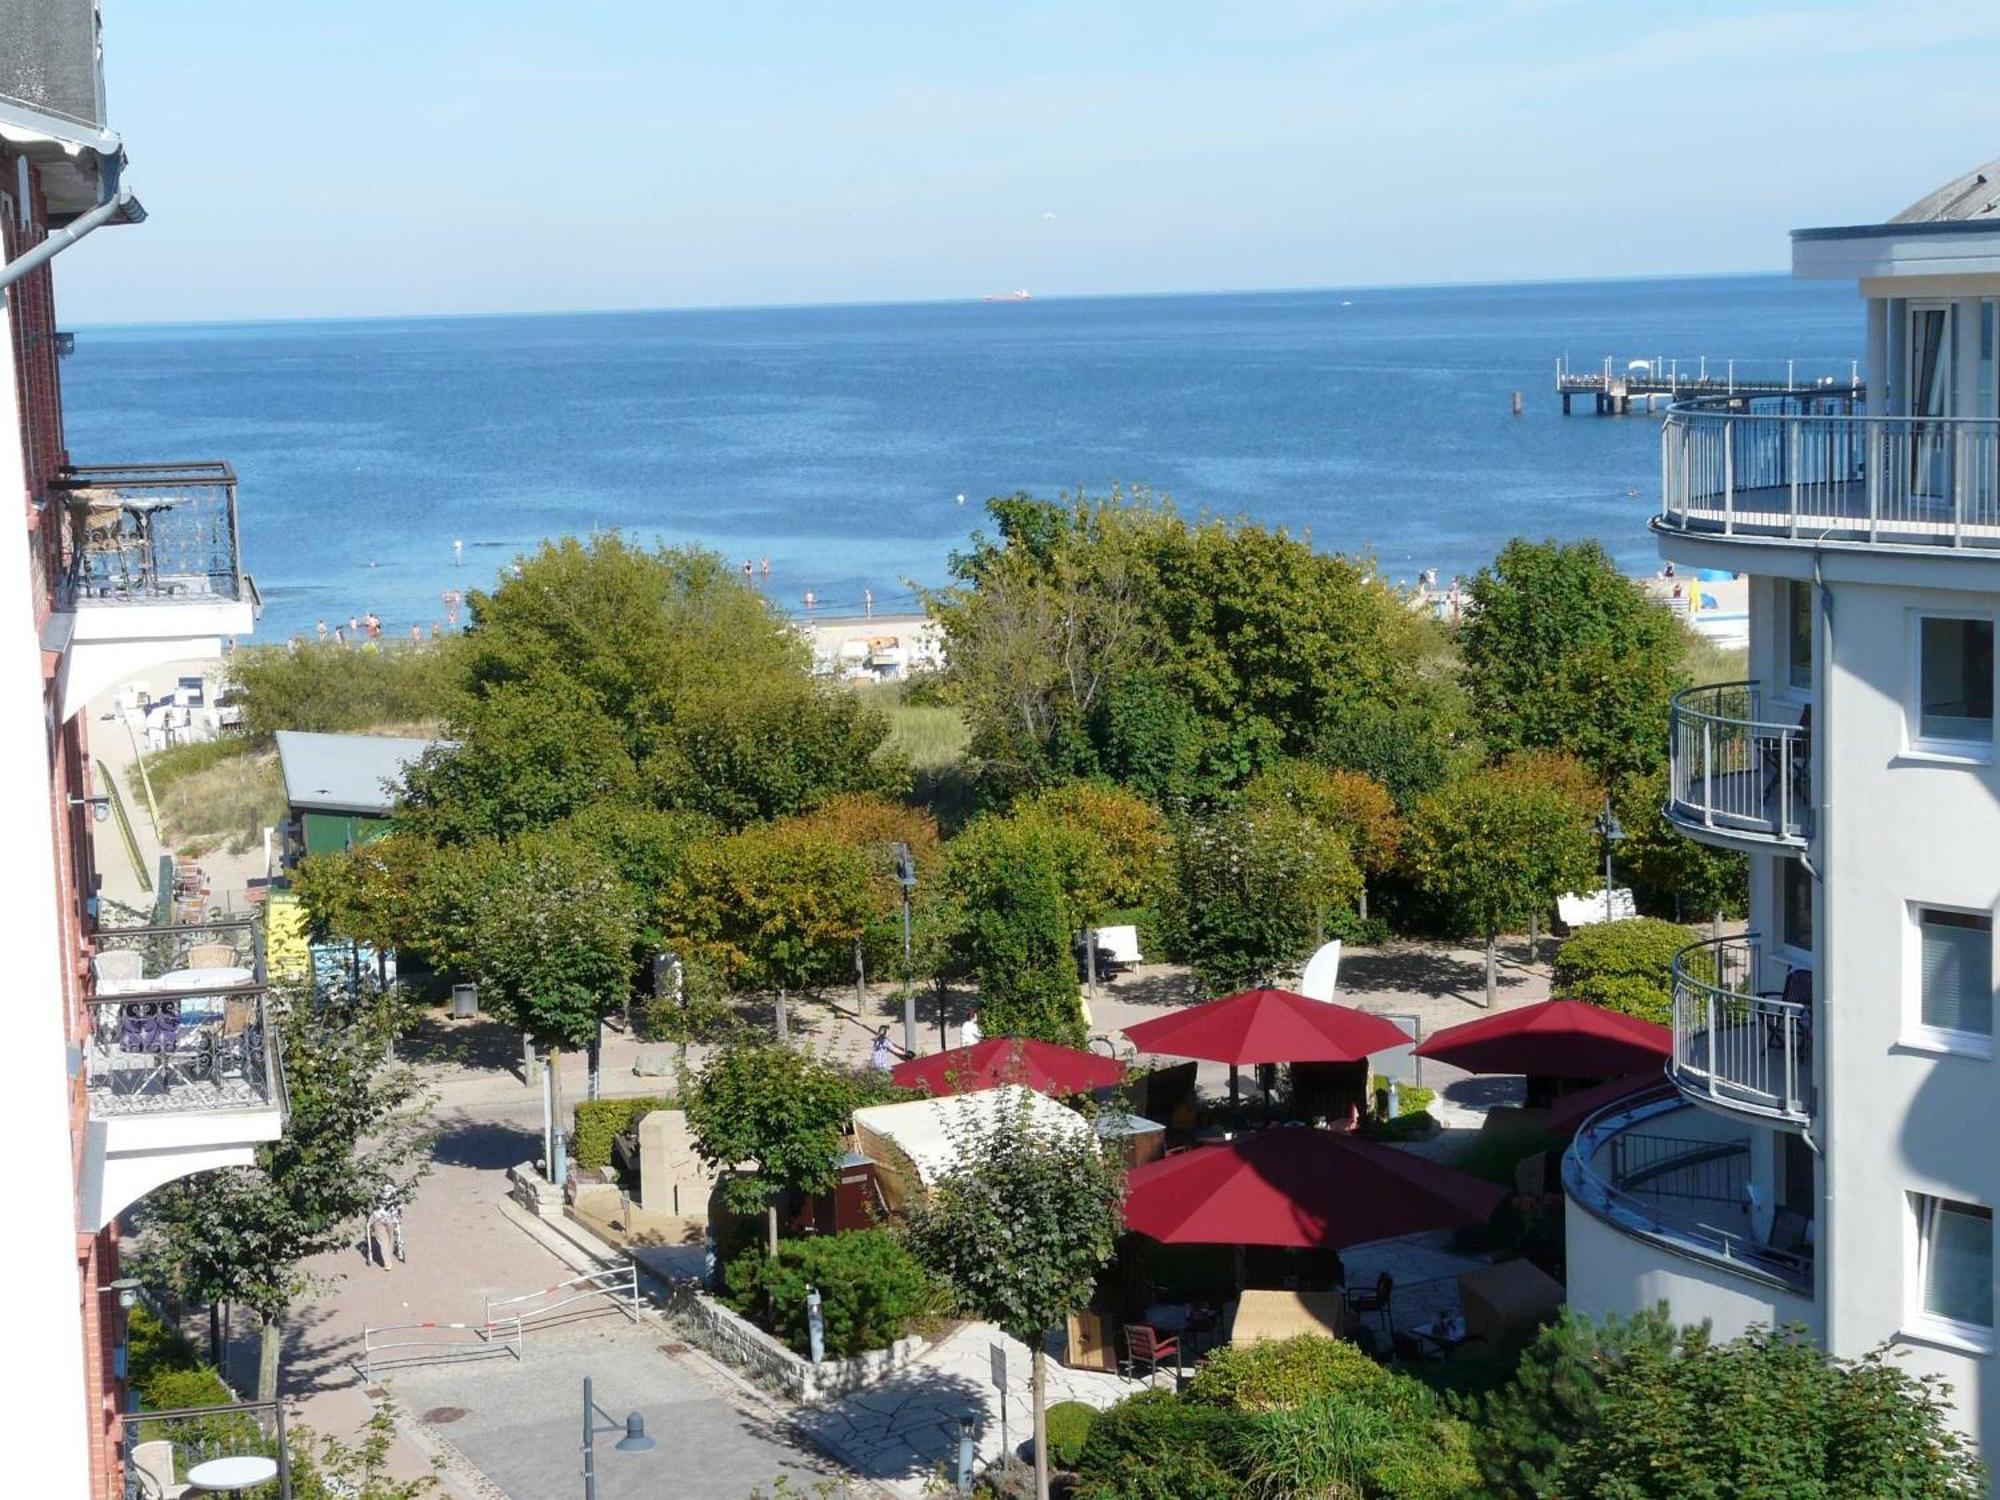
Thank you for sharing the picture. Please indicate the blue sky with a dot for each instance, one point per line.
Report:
(453, 156)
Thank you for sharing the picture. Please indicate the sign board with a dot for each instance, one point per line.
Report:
(1401, 1064)
(999, 1367)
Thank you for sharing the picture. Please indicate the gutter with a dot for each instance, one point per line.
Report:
(58, 240)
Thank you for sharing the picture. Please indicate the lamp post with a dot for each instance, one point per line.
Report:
(906, 877)
(634, 1441)
(1610, 832)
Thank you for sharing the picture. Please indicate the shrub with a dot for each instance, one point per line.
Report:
(1154, 1446)
(1624, 966)
(599, 1121)
(871, 1290)
(1411, 1099)
(1069, 1424)
(1398, 1443)
(1283, 1373)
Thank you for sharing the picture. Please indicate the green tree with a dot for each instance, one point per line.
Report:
(1251, 890)
(357, 1123)
(776, 906)
(1009, 927)
(1110, 845)
(1768, 1414)
(781, 1108)
(1020, 1229)
(1495, 846)
(1673, 875)
(1351, 803)
(1563, 652)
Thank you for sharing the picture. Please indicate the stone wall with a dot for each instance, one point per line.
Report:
(740, 1343)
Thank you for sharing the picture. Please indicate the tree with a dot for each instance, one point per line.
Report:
(1250, 892)
(357, 1123)
(326, 1468)
(1010, 927)
(1768, 1414)
(1020, 1228)
(1563, 652)
(776, 906)
(781, 1108)
(1349, 802)
(1499, 844)
(1673, 875)
(1110, 845)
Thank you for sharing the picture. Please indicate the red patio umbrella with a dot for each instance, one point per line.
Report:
(1555, 1039)
(1303, 1189)
(1042, 1066)
(1567, 1114)
(1268, 1026)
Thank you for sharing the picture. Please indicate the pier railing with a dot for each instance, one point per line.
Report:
(1784, 465)
(151, 533)
(1734, 772)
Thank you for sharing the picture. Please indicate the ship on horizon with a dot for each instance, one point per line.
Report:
(1020, 295)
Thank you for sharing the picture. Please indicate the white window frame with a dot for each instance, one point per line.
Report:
(1918, 1321)
(1945, 751)
(1916, 1032)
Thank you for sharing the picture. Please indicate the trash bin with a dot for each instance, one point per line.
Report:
(464, 1000)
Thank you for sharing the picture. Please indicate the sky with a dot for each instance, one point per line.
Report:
(461, 156)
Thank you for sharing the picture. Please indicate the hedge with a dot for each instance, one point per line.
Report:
(1624, 966)
(1155, 1446)
(872, 1290)
(600, 1121)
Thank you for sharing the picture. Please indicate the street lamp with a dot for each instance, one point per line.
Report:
(634, 1441)
(906, 877)
(1610, 831)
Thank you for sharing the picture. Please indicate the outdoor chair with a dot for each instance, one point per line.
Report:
(211, 956)
(1790, 1231)
(153, 1468)
(1798, 991)
(1376, 1301)
(119, 966)
(1144, 1343)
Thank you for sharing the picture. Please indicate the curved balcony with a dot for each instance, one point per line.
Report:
(1736, 1047)
(1797, 467)
(1657, 1172)
(1736, 776)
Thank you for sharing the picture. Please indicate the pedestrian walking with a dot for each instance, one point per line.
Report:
(387, 1215)
(322, 632)
(868, 603)
(882, 1056)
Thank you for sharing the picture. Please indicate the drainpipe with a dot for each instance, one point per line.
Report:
(112, 199)
(1824, 939)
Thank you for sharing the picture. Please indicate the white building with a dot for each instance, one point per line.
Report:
(1827, 1150)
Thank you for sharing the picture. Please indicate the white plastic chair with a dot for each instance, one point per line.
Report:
(153, 1463)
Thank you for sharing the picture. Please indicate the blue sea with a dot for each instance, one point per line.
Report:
(837, 441)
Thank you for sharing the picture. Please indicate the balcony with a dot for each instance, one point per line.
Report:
(1655, 1170)
(1737, 776)
(1783, 467)
(1737, 1048)
(181, 1069)
(150, 571)
(168, 1452)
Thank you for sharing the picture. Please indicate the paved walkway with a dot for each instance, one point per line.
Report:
(905, 1430)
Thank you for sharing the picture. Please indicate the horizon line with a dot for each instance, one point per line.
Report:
(859, 303)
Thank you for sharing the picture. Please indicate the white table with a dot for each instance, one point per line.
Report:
(243, 1472)
(217, 978)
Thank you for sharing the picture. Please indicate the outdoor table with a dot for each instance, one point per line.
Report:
(240, 1472)
(1441, 1337)
(220, 977)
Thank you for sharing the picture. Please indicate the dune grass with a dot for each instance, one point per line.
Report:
(222, 798)
(930, 737)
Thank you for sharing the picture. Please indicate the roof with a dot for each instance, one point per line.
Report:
(345, 773)
(52, 103)
(928, 1131)
(1972, 195)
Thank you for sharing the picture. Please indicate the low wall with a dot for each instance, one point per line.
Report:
(741, 1343)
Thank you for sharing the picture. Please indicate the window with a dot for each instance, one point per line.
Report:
(1798, 635)
(1796, 902)
(1955, 681)
(1954, 1262)
(1956, 971)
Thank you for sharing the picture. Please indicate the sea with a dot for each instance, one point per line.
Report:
(393, 465)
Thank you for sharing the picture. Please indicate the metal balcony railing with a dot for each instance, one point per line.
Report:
(1616, 1169)
(1786, 466)
(151, 533)
(180, 1021)
(1736, 773)
(1738, 1046)
(207, 1449)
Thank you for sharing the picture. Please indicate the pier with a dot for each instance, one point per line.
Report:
(1613, 389)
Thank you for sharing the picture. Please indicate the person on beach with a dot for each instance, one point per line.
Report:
(436, 632)
(810, 601)
(416, 635)
(339, 635)
(746, 570)
(374, 624)
(354, 624)
(764, 567)
(322, 632)
(868, 603)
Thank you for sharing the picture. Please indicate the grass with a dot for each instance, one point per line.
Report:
(930, 737)
(214, 794)
(1706, 662)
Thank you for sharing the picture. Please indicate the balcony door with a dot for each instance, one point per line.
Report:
(1929, 385)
